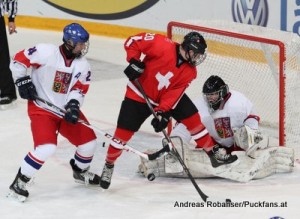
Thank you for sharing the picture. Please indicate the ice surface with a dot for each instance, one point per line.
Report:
(55, 195)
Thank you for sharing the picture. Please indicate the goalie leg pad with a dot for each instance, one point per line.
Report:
(167, 165)
(172, 164)
(265, 163)
(195, 159)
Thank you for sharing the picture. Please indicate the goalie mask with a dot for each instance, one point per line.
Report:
(214, 91)
(194, 46)
(76, 38)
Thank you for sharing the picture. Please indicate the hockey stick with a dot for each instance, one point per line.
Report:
(171, 145)
(125, 146)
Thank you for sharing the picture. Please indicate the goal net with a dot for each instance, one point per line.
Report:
(260, 62)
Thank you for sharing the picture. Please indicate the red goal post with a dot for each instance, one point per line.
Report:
(260, 62)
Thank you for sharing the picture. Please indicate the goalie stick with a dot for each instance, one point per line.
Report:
(171, 145)
(126, 147)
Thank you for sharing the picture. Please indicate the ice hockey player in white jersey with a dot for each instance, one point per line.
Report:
(233, 123)
(60, 75)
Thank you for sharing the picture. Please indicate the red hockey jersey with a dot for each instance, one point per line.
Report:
(164, 78)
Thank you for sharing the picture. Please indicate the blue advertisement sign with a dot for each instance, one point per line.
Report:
(256, 12)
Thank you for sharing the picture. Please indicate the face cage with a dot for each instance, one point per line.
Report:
(216, 104)
(83, 52)
(86, 49)
(198, 61)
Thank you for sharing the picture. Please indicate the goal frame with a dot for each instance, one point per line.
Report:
(282, 59)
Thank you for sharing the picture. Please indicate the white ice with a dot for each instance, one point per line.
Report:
(54, 194)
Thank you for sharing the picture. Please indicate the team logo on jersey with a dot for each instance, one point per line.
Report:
(102, 9)
(61, 82)
(223, 127)
(163, 80)
(250, 12)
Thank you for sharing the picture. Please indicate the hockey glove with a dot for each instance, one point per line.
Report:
(26, 88)
(72, 111)
(135, 69)
(161, 122)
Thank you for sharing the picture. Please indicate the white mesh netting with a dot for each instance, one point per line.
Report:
(248, 59)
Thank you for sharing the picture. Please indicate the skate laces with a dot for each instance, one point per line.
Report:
(107, 173)
(221, 154)
(23, 185)
(87, 177)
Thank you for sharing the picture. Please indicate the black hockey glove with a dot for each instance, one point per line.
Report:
(135, 69)
(26, 88)
(72, 111)
(161, 122)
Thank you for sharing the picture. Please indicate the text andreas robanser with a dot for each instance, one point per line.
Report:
(240, 204)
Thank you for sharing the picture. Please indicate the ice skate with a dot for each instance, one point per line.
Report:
(7, 103)
(106, 175)
(218, 157)
(18, 187)
(84, 176)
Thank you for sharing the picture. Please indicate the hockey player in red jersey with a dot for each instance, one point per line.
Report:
(60, 75)
(165, 72)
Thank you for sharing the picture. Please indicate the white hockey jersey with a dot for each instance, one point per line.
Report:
(236, 112)
(56, 78)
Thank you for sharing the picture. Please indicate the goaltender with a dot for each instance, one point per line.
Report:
(231, 120)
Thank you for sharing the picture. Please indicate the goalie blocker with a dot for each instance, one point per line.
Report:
(264, 161)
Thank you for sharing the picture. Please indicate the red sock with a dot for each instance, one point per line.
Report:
(198, 132)
(114, 152)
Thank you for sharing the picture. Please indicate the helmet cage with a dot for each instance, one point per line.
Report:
(85, 50)
(215, 104)
(196, 59)
(214, 85)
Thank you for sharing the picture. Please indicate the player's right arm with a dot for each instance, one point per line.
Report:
(32, 57)
(21, 62)
(135, 46)
(139, 44)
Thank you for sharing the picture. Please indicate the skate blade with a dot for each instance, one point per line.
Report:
(14, 196)
(89, 186)
(8, 106)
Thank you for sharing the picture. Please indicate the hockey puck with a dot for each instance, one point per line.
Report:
(151, 177)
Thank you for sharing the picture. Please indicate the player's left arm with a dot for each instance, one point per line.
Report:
(249, 134)
(143, 43)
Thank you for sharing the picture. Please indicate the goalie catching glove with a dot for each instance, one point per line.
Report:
(250, 139)
(26, 88)
(161, 122)
(135, 69)
(72, 111)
